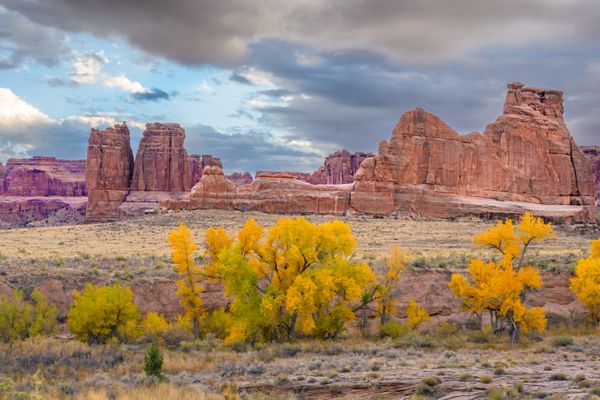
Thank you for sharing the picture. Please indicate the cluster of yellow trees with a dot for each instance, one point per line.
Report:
(299, 279)
(296, 278)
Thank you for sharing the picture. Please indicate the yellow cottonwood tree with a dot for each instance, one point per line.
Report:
(586, 282)
(296, 278)
(500, 287)
(415, 315)
(191, 284)
(100, 313)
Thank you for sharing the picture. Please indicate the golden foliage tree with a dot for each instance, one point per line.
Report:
(415, 315)
(101, 313)
(190, 286)
(586, 282)
(20, 318)
(499, 287)
(295, 278)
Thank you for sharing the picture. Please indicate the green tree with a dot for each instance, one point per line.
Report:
(153, 361)
(98, 314)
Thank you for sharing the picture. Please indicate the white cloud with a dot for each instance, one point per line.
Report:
(122, 82)
(15, 111)
(88, 70)
(102, 119)
(206, 88)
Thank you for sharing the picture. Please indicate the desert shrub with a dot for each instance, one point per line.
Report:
(562, 341)
(153, 361)
(391, 329)
(101, 313)
(20, 319)
(448, 328)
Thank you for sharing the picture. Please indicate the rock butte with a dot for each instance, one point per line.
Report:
(524, 161)
(43, 189)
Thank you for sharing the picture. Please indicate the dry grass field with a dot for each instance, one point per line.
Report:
(431, 364)
(146, 236)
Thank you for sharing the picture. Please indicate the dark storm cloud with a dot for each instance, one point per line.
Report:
(353, 100)
(153, 94)
(247, 149)
(236, 77)
(23, 40)
(413, 32)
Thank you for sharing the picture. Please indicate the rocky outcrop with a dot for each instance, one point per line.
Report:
(43, 176)
(593, 152)
(524, 161)
(338, 168)
(526, 156)
(42, 191)
(270, 192)
(240, 178)
(161, 163)
(108, 173)
(20, 211)
(196, 164)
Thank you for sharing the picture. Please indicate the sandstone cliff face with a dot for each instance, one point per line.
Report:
(593, 153)
(161, 163)
(271, 192)
(338, 168)
(108, 173)
(196, 164)
(43, 176)
(524, 161)
(526, 155)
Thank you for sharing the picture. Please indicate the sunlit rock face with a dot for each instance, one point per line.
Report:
(108, 173)
(526, 160)
(527, 155)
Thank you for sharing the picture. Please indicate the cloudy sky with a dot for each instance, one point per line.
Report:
(269, 84)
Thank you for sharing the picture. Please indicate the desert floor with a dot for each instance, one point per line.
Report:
(436, 363)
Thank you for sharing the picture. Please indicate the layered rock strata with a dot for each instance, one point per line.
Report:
(524, 161)
(43, 176)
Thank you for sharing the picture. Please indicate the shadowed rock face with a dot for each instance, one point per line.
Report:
(338, 168)
(241, 178)
(43, 176)
(109, 171)
(196, 164)
(524, 161)
(593, 152)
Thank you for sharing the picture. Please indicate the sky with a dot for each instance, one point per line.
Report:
(278, 85)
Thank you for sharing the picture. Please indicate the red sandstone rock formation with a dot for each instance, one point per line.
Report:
(527, 155)
(271, 192)
(240, 178)
(108, 173)
(18, 211)
(338, 168)
(43, 176)
(161, 163)
(593, 152)
(524, 161)
(196, 164)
